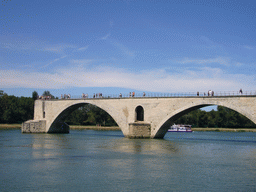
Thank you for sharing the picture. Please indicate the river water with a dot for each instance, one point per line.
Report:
(87, 160)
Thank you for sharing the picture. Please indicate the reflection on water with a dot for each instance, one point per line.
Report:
(140, 146)
(106, 161)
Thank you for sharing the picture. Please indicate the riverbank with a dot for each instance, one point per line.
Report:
(10, 126)
(224, 129)
(18, 126)
(101, 128)
(95, 128)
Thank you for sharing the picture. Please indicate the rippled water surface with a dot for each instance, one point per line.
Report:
(87, 160)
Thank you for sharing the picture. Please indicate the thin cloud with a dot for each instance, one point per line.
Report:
(105, 37)
(79, 76)
(220, 60)
(81, 61)
(30, 44)
(59, 48)
(53, 61)
(248, 47)
(111, 23)
(119, 46)
(123, 48)
(82, 48)
(238, 64)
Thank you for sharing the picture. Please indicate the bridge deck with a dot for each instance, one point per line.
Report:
(161, 95)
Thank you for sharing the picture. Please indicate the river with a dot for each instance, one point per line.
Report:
(88, 160)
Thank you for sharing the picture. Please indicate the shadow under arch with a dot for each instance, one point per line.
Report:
(169, 120)
(59, 125)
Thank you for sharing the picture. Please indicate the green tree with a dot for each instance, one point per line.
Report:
(90, 115)
(202, 119)
(1, 93)
(211, 118)
(15, 109)
(47, 93)
(34, 95)
(223, 117)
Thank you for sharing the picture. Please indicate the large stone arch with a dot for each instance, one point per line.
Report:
(57, 124)
(168, 120)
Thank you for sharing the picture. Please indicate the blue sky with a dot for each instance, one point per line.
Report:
(79, 46)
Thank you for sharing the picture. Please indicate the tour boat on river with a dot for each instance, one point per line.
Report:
(180, 128)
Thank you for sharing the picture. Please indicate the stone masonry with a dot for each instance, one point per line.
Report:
(158, 113)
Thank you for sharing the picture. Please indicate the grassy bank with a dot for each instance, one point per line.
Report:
(224, 129)
(93, 127)
(10, 126)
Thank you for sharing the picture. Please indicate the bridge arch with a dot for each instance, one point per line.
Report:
(158, 112)
(169, 119)
(58, 125)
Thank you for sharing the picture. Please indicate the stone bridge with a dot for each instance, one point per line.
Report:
(137, 117)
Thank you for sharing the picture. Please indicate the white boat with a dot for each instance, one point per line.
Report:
(180, 128)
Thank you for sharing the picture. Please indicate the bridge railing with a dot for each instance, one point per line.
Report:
(164, 95)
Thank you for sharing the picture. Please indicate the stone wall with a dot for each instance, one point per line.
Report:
(139, 130)
(34, 126)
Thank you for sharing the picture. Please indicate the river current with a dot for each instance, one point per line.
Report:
(87, 160)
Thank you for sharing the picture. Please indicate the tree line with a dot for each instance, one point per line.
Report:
(15, 109)
(222, 118)
(19, 109)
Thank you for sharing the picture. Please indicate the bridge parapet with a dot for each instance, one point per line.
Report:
(165, 95)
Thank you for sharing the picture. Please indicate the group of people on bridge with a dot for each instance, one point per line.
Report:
(84, 95)
(66, 96)
(131, 94)
(45, 97)
(97, 95)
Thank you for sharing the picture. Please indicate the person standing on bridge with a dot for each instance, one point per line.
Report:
(241, 91)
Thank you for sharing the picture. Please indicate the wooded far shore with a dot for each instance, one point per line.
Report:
(114, 128)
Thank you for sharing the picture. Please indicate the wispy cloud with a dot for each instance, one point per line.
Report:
(111, 23)
(81, 61)
(220, 60)
(151, 80)
(22, 43)
(82, 48)
(248, 47)
(105, 37)
(53, 61)
(238, 64)
(125, 50)
(58, 48)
